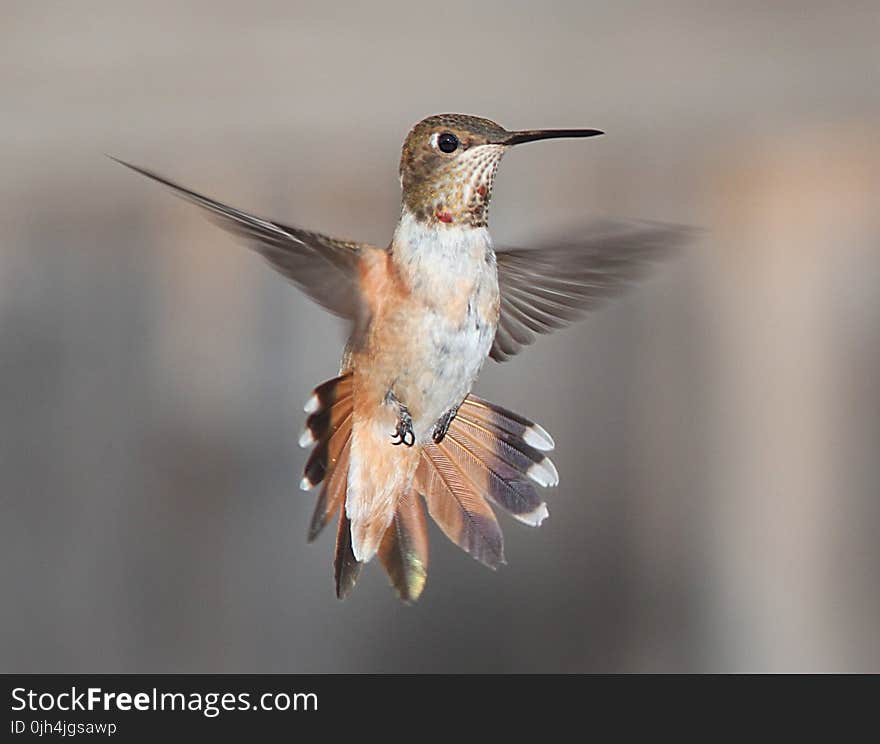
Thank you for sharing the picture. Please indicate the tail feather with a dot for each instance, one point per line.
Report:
(522, 457)
(489, 455)
(404, 548)
(332, 495)
(458, 508)
(501, 473)
(326, 453)
(345, 566)
(329, 392)
(505, 423)
(329, 428)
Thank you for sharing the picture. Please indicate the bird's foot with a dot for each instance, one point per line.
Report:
(443, 423)
(404, 433)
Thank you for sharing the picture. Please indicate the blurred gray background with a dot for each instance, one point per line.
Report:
(717, 428)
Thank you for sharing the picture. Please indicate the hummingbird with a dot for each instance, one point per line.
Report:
(398, 429)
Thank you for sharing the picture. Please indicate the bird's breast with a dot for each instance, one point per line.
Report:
(430, 337)
(448, 267)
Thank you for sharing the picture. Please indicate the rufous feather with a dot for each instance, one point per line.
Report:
(404, 548)
(346, 566)
(458, 509)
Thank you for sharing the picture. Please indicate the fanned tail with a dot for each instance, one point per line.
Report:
(492, 455)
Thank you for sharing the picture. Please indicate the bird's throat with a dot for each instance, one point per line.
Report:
(456, 193)
(448, 250)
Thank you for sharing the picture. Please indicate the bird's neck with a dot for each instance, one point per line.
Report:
(421, 247)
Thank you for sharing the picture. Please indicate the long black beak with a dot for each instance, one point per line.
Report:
(532, 135)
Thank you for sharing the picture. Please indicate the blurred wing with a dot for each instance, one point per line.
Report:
(550, 287)
(323, 267)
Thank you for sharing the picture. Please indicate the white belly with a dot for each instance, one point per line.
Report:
(454, 356)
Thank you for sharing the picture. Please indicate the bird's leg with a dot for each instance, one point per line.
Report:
(404, 433)
(442, 425)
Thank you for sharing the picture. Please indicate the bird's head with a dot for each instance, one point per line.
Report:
(449, 161)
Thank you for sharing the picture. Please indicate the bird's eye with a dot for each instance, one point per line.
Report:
(447, 142)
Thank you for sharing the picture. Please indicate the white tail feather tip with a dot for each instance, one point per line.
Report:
(544, 473)
(312, 404)
(534, 518)
(538, 437)
(306, 438)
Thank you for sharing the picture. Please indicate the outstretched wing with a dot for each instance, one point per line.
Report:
(323, 267)
(549, 287)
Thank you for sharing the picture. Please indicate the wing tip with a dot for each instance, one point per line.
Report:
(132, 166)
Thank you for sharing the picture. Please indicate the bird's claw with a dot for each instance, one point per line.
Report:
(442, 425)
(404, 433)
